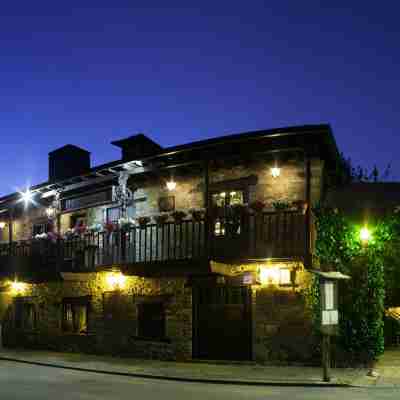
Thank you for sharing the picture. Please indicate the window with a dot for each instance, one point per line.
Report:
(112, 215)
(25, 315)
(151, 320)
(39, 228)
(78, 220)
(87, 200)
(75, 315)
(227, 218)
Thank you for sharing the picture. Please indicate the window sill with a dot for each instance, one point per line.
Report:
(155, 340)
(76, 334)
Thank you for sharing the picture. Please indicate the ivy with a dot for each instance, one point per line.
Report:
(362, 298)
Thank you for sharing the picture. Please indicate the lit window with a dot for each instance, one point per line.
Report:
(75, 315)
(284, 278)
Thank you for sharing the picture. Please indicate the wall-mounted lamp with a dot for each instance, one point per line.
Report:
(171, 185)
(18, 287)
(50, 212)
(116, 280)
(2, 225)
(26, 197)
(274, 276)
(275, 172)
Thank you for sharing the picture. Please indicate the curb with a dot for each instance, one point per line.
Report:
(182, 379)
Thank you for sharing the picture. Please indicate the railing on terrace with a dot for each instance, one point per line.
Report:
(263, 235)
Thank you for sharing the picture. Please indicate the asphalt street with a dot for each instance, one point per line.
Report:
(23, 381)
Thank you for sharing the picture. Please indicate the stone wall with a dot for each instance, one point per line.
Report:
(282, 328)
(289, 186)
(105, 336)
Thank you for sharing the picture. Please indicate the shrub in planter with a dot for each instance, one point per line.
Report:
(300, 206)
(143, 221)
(281, 205)
(161, 219)
(178, 216)
(197, 215)
(109, 227)
(257, 206)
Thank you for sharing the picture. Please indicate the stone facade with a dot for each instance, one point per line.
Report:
(103, 336)
(280, 320)
(282, 326)
(289, 186)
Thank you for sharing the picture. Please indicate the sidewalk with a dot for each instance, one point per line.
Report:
(244, 373)
(388, 368)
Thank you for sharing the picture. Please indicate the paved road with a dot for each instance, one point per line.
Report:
(22, 381)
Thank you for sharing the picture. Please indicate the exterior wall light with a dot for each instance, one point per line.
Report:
(2, 225)
(171, 185)
(18, 288)
(275, 172)
(116, 280)
(26, 197)
(50, 212)
(274, 276)
(365, 235)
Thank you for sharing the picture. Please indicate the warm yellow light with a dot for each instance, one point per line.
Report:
(365, 235)
(116, 280)
(2, 225)
(269, 276)
(50, 211)
(223, 194)
(171, 185)
(275, 172)
(18, 287)
(274, 276)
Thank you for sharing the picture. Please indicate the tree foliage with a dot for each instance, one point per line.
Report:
(362, 299)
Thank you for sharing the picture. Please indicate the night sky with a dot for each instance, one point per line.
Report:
(86, 73)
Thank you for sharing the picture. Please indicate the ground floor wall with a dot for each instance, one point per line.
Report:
(116, 322)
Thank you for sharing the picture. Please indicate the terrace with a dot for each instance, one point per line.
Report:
(263, 235)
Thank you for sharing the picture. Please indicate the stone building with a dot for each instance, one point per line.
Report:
(195, 251)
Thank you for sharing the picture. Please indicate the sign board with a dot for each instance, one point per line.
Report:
(329, 306)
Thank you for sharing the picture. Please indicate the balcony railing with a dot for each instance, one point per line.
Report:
(263, 235)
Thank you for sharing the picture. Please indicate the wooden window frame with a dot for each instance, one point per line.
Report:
(74, 302)
(21, 324)
(109, 209)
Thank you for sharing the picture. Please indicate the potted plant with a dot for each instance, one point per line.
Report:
(161, 219)
(178, 216)
(109, 227)
(125, 223)
(143, 221)
(197, 215)
(280, 205)
(300, 206)
(257, 206)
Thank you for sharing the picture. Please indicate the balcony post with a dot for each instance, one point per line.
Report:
(308, 214)
(207, 209)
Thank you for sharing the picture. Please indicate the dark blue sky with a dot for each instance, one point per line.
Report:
(86, 73)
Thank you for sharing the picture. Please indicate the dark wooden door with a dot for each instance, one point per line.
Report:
(222, 323)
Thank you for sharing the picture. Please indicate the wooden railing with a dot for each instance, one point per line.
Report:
(263, 235)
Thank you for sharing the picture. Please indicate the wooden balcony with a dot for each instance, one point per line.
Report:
(252, 236)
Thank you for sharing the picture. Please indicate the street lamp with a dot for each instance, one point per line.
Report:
(365, 235)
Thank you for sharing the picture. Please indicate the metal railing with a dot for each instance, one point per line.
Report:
(261, 235)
